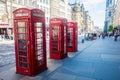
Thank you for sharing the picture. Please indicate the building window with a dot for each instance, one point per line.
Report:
(14, 8)
(40, 1)
(25, 2)
(43, 1)
(44, 9)
(41, 7)
(14, 1)
(107, 3)
(46, 1)
(110, 1)
(63, 0)
(34, 3)
(30, 3)
(19, 1)
(47, 20)
(109, 14)
(47, 10)
(4, 18)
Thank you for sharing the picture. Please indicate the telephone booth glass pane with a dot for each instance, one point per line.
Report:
(39, 29)
(21, 24)
(39, 35)
(21, 30)
(55, 33)
(22, 53)
(65, 39)
(22, 47)
(69, 37)
(22, 41)
(39, 42)
(21, 36)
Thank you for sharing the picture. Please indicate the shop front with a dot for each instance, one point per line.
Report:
(6, 31)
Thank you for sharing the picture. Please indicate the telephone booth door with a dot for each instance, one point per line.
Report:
(71, 36)
(55, 38)
(23, 46)
(57, 33)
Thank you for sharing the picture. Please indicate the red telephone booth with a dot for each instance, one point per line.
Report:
(72, 36)
(58, 31)
(30, 41)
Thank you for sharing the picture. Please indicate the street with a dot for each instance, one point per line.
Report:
(95, 60)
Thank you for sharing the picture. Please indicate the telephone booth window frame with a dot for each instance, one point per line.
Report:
(22, 43)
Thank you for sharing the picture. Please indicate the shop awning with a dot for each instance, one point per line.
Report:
(5, 26)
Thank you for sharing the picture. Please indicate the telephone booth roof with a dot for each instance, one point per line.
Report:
(29, 9)
(72, 23)
(59, 20)
(26, 12)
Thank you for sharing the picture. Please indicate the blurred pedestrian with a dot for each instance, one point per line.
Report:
(110, 34)
(116, 34)
(99, 36)
(103, 35)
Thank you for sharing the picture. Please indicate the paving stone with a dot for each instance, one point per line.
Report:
(61, 76)
(84, 78)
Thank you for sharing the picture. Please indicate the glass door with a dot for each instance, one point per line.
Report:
(54, 41)
(22, 34)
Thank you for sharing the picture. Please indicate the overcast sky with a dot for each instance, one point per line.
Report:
(96, 10)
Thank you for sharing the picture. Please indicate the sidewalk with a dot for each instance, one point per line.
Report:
(7, 53)
(95, 60)
(6, 41)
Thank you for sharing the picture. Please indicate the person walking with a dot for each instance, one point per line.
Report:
(103, 35)
(116, 34)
